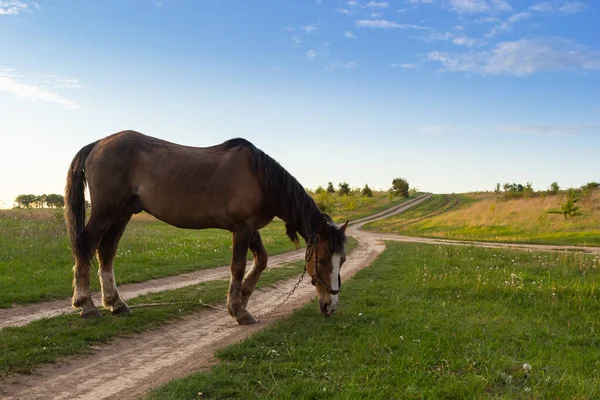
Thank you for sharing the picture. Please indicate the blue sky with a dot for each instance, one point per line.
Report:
(454, 95)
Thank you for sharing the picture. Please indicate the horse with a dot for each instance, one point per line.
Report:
(232, 186)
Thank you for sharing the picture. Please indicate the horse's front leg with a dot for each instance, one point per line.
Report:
(241, 241)
(260, 263)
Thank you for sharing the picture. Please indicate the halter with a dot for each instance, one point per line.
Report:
(313, 242)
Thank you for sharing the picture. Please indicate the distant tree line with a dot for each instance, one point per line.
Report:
(39, 201)
(400, 187)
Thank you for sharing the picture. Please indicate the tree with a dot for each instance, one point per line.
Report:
(330, 188)
(554, 188)
(55, 201)
(569, 207)
(344, 188)
(591, 186)
(319, 189)
(25, 200)
(497, 190)
(400, 187)
(366, 191)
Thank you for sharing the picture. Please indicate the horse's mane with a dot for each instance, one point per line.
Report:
(288, 198)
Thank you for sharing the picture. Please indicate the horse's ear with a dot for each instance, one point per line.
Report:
(343, 228)
(324, 229)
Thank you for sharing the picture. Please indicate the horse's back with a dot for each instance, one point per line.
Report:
(182, 185)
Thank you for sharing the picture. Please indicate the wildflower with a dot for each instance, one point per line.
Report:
(527, 367)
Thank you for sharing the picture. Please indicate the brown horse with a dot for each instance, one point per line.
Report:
(232, 186)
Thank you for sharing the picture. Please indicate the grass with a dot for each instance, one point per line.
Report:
(36, 260)
(46, 340)
(429, 322)
(489, 217)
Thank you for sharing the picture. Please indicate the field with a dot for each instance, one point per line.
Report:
(429, 322)
(36, 261)
(489, 217)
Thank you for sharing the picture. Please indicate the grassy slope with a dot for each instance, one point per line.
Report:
(429, 322)
(44, 341)
(490, 218)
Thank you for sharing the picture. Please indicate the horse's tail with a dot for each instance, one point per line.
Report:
(75, 203)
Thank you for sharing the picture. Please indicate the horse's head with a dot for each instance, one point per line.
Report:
(325, 254)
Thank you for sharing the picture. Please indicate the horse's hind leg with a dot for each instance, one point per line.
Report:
(241, 240)
(260, 263)
(97, 226)
(106, 254)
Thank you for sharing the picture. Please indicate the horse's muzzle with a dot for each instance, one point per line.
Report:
(326, 309)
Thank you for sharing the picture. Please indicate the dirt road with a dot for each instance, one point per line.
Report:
(127, 368)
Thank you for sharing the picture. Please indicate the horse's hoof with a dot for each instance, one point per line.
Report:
(121, 310)
(92, 313)
(247, 319)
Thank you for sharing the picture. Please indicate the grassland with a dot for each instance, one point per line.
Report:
(36, 261)
(488, 217)
(429, 322)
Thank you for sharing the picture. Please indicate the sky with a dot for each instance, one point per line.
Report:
(453, 95)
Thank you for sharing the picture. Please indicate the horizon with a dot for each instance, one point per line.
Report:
(453, 95)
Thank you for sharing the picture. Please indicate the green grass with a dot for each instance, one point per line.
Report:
(490, 217)
(36, 261)
(429, 322)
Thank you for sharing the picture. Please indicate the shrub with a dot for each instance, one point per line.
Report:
(366, 191)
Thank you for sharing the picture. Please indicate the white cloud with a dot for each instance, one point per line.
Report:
(478, 6)
(349, 35)
(14, 84)
(383, 24)
(345, 11)
(309, 28)
(554, 129)
(456, 38)
(559, 7)
(464, 41)
(407, 66)
(418, 1)
(378, 4)
(14, 7)
(338, 65)
(352, 3)
(376, 15)
(296, 40)
(288, 29)
(402, 10)
(310, 54)
(506, 25)
(521, 58)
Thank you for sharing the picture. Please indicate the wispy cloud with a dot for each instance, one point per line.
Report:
(14, 7)
(559, 7)
(349, 35)
(309, 28)
(288, 29)
(345, 11)
(458, 39)
(337, 65)
(521, 58)
(554, 129)
(384, 24)
(310, 54)
(506, 25)
(418, 1)
(376, 15)
(296, 40)
(478, 6)
(406, 65)
(17, 86)
(378, 4)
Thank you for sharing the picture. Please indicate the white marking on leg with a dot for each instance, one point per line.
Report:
(336, 261)
(109, 287)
